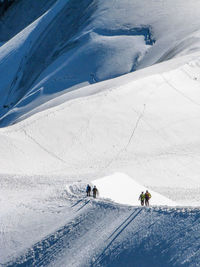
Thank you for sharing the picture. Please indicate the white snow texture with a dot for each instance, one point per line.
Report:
(106, 93)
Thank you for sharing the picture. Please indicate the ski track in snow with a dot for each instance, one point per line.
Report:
(179, 91)
(42, 147)
(129, 141)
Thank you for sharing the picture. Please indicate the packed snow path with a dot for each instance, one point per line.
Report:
(102, 233)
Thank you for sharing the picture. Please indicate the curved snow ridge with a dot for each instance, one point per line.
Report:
(121, 188)
(106, 234)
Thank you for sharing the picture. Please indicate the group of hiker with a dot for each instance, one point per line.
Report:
(144, 198)
(94, 191)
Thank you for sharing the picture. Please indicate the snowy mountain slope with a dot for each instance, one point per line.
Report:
(24, 12)
(63, 128)
(103, 233)
(135, 128)
(110, 39)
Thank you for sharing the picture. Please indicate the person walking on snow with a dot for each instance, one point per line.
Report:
(88, 190)
(95, 192)
(141, 198)
(147, 197)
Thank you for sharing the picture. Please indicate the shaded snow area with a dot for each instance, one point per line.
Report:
(59, 46)
(106, 93)
(51, 222)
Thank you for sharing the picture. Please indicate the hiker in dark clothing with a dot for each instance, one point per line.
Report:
(147, 197)
(141, 198)
(88, 190)
(95, 192)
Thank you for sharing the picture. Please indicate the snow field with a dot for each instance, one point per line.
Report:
(102, 232)
(135, 128)
(64, 129)
(48, 154)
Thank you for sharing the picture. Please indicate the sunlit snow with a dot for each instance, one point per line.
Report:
(105, 93)
(123, 189)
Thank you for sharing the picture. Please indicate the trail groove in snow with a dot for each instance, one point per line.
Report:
(179, 91)
(140, 116)
(42, 147)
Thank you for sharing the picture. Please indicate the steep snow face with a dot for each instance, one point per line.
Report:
(24, 12)
(76, 43)
(4, 5)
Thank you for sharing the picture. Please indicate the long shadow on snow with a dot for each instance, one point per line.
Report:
(162, 238)
(146, 237)
(116, 233)
(145, 31)
(45, 251)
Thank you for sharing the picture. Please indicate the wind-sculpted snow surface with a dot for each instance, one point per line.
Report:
(74, 43)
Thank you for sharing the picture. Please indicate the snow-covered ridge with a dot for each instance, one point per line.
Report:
(64, 50)
(103, 233)
(52, 220)
(66, 122)
(123, 189)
